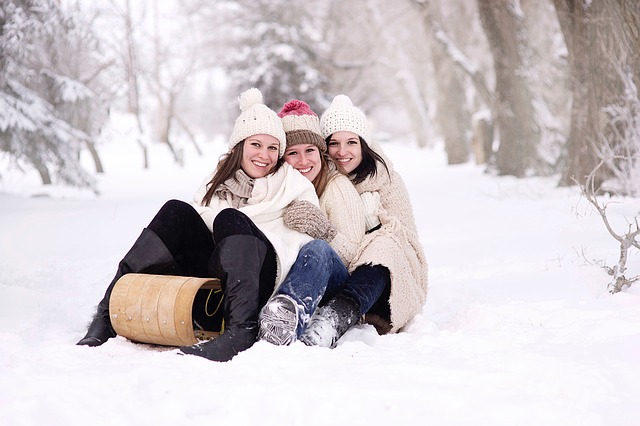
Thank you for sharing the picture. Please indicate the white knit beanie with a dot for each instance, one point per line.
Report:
(342, 116)
(256, 119)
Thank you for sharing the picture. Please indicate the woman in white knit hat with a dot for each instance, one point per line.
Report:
(338, 227)
(388, 274)
(233, 230)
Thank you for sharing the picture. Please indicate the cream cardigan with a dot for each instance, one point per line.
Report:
(342, 204)
(269, 199)
(395, 245)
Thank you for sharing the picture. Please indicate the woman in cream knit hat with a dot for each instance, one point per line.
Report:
(233, 231)
(388, 274)
(338, 227)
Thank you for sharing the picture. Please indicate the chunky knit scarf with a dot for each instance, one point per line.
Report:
(236, 190)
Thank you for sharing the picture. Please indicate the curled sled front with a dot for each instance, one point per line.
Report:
(166, 309)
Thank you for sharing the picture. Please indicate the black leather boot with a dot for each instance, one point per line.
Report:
(100, 329)
(147, 255)
(331, 321)
(237, 260)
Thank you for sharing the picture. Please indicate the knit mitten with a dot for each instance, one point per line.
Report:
(305, 217)
(371, 204)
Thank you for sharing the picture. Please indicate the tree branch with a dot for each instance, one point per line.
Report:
(626, 241)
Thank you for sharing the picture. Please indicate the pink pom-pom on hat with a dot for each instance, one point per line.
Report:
(295, 107)
(301, 124)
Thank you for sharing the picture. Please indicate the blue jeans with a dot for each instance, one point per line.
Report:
(369, 285)
(318, 269)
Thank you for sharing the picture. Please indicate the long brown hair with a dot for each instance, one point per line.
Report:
(368, 166)
(228, 165)
(325, 176)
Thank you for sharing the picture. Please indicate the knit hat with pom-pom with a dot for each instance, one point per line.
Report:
(342, 116)
(256, 119)
(301, 125)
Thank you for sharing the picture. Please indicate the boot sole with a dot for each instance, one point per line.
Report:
(278, 321)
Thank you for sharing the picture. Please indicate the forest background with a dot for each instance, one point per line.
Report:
(108, 108)
(529, 88)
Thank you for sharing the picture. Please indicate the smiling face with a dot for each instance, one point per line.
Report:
(346, 150)
(259, 155)
(305, 158)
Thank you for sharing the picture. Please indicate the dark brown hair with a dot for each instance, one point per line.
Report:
(228, 164)
(367, 166)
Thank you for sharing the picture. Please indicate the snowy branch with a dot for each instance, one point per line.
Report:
(628, 240)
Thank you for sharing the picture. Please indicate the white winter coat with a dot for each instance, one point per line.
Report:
(269, 199)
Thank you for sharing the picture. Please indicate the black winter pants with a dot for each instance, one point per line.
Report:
(191, 244)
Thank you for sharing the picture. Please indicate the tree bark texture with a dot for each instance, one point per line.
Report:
(409, 84)
(451, 113)
(602, 40)
(515, 120)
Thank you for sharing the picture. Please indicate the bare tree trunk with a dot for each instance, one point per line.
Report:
(132, 79)
(43, 171)
(601, 38)
(165, 116)
(630, 17)
(165, 109)
(192, 138)
(451, 114)
(94, 154)
(409, 86)
(131, 63)
(482, 125)
(516, 125)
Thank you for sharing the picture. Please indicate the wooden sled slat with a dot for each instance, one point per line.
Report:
(157, 309)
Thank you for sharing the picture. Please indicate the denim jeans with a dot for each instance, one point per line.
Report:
(317, 269)
(368, 285)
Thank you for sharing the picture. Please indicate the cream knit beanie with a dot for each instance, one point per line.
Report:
(301, 125)
(256, 119)
(343, 116)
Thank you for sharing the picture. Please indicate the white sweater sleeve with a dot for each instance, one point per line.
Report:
(343, 207)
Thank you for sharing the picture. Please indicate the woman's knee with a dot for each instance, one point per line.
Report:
(376, 277)
(316, 247)
(172, 213)
(366, 283)
(175, 206)
(229, 214)
(230, 222)
(319, 251)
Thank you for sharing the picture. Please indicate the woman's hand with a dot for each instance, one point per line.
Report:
(371, 204)
(305, 217)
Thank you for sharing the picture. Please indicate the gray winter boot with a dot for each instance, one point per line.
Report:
(279, 320)
(331, 321)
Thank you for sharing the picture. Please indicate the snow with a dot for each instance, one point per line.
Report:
(518, 328)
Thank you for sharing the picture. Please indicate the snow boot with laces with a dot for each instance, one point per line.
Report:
(279, 321)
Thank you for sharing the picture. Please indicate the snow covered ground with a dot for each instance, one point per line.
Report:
(518, 328)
